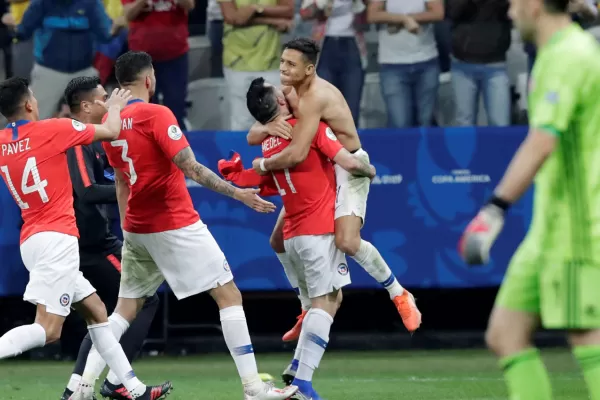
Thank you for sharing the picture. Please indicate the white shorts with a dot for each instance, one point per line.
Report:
(352, 191)
(189, 259)
(52, 259)
(322, 268)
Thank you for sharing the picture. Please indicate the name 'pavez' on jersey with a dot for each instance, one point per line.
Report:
(312, 213)
(33, 164)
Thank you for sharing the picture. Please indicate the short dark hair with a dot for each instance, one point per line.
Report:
(12, 92)
(557, 6)
(78, 89)
(129, 66)
(308, 47)
(261, 101)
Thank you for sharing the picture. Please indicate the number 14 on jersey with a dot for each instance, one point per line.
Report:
(39, 185)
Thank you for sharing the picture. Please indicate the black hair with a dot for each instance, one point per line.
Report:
(129, 66)
(557, 6)
(12, 93)
(78, 90)
(261, 101)
(308, 47)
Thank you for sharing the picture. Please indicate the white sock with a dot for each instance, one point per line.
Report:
(20, 339)
(112, 352)
(290, 272)
(314, 340)
(74, 382)
(95, 363)
(237, 338)
(112, 378)
(369, 258)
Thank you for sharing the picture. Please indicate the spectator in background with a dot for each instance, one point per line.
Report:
(6, 43)
(481, 35)
(107, 53)
(409, 66)
(343, 59)
(251, 48)
(160, 28)
(65, 36)
(22, 50)
(214, 31)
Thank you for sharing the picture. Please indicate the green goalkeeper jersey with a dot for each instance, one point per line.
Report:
(564, 100)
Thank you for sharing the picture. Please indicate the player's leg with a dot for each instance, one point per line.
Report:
(277, 245)
(350, 213)
(177, 254)
(512, 324)
(52, 260)
(325, 273)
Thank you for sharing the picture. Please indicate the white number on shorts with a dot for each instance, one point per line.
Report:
(288, 179)
(38, 184)
(125, 148)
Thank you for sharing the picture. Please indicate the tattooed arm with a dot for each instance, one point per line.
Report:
(353, 164)
(186, 161)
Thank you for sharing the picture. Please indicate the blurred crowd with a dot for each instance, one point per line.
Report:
(52, 41)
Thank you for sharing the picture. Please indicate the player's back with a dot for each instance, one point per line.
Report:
(565, 100)
(308, 189)
(149, 139)
(33, 164)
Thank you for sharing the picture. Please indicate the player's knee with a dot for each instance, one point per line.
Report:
(53, 328)
(276, 242)
(508, 334)
(227, 295)
(347, 243)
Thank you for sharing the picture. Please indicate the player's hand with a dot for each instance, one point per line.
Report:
(280, 127)
(257, 168)
(250, 198)
(411, 25)
(119, 97)
(283, 25)
(481, 233)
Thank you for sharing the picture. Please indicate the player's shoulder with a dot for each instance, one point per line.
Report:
(324, 129)
(581, 47)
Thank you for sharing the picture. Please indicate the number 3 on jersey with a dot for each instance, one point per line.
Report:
(124, 150)
(288, 179)
(39, 185)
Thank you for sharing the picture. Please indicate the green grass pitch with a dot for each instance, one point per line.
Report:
(414, 375)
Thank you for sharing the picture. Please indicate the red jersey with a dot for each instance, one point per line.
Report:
(33, 164)
(159, 199)
(162, 33)
(308, 189)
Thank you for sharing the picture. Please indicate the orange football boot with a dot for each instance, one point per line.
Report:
(407, 308)
(294, 333)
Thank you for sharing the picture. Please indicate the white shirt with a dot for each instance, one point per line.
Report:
(341, 20)
(213, 11)
(404, 47)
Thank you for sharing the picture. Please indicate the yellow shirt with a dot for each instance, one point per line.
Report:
(18, 9)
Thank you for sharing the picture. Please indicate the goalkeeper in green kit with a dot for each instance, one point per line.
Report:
(554, 278)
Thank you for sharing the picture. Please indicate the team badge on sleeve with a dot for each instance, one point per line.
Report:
(65, 300)
(174, 132)
(78, 126)
(330, 134)
(226, 266)
(342, 269)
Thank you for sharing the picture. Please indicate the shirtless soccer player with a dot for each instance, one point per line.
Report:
(33, 164)
(312, 100)
(308, 193)
(164, 237)
(554, 276)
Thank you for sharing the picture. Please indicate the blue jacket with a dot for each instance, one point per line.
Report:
(65, 32)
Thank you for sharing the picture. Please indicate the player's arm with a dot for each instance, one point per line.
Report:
(32, 20)
(353, 164)
(111, 127)
(278, 127)
(81, 168)
(122, 193)
(303, 133)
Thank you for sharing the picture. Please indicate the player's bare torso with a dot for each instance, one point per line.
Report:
(335, 110)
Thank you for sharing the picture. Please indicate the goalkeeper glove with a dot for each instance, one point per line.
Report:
(481, 233)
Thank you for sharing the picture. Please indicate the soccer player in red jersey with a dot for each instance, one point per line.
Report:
(164, 238)
(33, 165)
(308, 191)
(312, 100)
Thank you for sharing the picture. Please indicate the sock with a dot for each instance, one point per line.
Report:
(73, 382)
(111, 351)
(589, 360)
(369, 258)
(313, 342)
(290, 272)
(133, 340)
(95, 363)
(20, 339)
(237, 338)
(526, 376)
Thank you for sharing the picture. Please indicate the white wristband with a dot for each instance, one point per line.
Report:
(262, 165)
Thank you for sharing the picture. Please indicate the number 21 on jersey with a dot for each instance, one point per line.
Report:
(122, 143)
(39, 185)
(288, 179)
